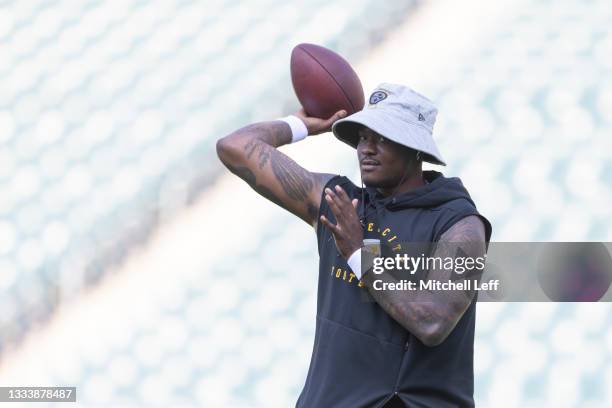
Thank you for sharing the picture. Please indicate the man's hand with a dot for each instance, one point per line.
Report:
(348, 232)
(317, 126)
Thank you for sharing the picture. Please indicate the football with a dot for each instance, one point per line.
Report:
(324, 82)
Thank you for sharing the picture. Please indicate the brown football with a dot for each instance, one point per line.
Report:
(324, 82)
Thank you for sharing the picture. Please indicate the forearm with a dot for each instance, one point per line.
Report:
(274, 133)
(419, 312)
(242, 143)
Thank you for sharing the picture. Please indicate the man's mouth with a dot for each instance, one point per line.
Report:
(369, 164)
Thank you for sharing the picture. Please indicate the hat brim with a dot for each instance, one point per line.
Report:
(393, 127)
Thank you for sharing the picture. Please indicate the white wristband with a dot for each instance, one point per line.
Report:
(298, 128)
(354, 262)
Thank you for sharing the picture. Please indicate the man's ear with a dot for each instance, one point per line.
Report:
(413, 162)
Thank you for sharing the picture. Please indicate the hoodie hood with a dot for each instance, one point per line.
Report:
(438, 191)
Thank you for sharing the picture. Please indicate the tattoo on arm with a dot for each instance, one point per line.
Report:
(313, 213)
(257, 145)
(414, 312)
(244, 173)
(434, 314)
(247, 175)
(295, 185)
(466, 230)
(296, 182)
(273, 133)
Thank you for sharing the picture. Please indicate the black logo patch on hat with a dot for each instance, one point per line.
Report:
(377, 97)
(421, 117)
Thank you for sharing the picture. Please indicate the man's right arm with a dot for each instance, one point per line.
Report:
(251, 154)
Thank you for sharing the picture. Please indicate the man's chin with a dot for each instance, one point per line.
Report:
(370, 181)
(374, 182)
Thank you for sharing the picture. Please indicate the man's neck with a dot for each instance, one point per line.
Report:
(414, 180)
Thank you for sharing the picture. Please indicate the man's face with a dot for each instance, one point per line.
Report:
(383, 163)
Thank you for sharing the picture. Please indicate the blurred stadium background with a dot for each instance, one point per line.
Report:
(134, 267)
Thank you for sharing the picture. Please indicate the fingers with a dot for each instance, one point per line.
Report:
(338, 115)
(330, 197)
(339, 195)
(339, 198)
(342, 194)
(319, 125)
(333, 228)
(343, 208)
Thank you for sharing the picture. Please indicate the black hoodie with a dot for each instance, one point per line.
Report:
(362, 357)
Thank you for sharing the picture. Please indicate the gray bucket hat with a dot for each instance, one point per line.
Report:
(399, 114)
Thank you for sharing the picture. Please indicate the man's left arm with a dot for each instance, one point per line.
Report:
(431, 315)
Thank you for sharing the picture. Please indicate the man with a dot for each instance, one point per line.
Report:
(404, 348)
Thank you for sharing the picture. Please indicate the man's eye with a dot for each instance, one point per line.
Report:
(362, 138)
(381, 139)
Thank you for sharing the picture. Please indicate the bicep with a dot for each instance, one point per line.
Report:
(465, 239)
(464, 243)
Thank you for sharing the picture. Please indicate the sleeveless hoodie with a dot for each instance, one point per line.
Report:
(361, 356)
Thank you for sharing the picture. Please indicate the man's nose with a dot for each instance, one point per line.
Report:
(367, 146)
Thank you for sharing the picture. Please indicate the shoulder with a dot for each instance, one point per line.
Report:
(466, 229)
(459, 204)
